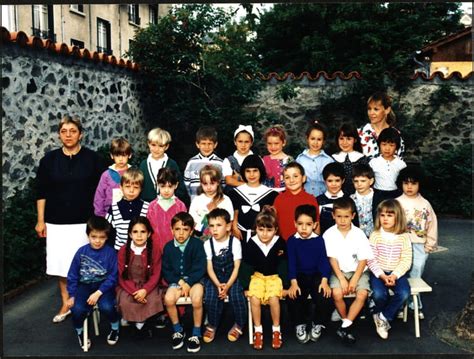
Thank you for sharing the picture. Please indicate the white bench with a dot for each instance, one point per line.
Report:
(417, 286)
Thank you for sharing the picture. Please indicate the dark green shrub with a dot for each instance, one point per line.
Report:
(449, 181)
(24, 253)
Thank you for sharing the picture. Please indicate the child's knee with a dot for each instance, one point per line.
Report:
(337, 294)
(362, 294)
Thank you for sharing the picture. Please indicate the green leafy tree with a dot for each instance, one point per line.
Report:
(369, 38)
(197, 59)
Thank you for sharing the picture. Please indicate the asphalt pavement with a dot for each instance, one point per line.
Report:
(28, 330)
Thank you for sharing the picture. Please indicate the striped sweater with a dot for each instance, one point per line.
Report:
(194, 165)
(392, 253)
(120, 215)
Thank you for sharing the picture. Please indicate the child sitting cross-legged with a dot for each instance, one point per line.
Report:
(92, 278)
(308, 272)
(348, 250)
(184, 266)
(139, 266)
(223, 253)
(264, 253)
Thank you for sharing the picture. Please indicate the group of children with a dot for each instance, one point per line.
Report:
(258, 228)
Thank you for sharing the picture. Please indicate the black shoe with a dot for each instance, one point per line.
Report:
(80, 337)
(161, 321)
(194, 345)
(144, 333)
(113, 337)
(346, 335)
(177, 340)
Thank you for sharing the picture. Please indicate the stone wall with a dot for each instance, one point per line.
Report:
(449, 125)
(39, 87)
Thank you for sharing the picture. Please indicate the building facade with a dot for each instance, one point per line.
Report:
(107, 28)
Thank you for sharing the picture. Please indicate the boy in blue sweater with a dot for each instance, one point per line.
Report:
(308, 271)
(92, 278)
(183, 267)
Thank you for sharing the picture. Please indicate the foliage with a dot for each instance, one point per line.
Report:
(370, 38)
(198, 60)
(24, 253)
(286, 92)
(450, 180)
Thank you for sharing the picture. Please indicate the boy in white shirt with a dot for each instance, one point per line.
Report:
(348, 250)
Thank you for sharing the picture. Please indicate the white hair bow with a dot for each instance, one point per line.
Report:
(241, 128)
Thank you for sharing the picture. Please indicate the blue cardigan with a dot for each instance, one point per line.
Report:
(189, 265)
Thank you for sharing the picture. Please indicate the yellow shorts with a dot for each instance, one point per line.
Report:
(264, 287)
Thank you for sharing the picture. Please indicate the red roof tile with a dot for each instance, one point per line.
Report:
(22, 39)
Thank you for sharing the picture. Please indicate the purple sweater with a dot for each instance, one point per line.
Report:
(109, 180)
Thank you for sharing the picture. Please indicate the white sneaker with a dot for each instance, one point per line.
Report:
(335, 317)
(400, 315)
(301, 334)
(421, 315)
(124, 323)
(382, 326)
(316, 330)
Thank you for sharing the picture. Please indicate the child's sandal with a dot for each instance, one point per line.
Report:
(234, 333)
(209, 335)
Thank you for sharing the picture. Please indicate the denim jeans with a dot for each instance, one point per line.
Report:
(81, 309)
(384, 303)
(417, 268)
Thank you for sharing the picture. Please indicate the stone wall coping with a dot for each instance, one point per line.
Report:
(22, 39)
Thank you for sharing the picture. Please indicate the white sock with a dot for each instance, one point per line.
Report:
(381, 316)
(276, 328)
(258, 329)
(139, 325)
(346, 323)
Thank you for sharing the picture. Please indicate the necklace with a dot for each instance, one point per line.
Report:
(69, 153)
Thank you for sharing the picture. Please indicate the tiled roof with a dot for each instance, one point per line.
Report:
(338, 74)
(22, 39)
(441, 76)
(447, 39)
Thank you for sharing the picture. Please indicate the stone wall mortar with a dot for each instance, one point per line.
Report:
(450, 125)
(39, 88)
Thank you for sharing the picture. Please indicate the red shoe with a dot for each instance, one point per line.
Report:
(277, 342)
(258, 340)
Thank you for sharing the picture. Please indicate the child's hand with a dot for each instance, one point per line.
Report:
(70, 302)
(294, 291)
(211, 205)
(344, 285)
(352, 285)
(392, 278)
(223, 289)
(325, 288)
(140, 295)
(185, 288)
(94, 297)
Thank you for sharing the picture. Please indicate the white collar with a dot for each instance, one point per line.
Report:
(388, 235)
(353, 156)
(364, 196)
(137, 250)
(265, 248)
(337, 195)
(153, 161)
(313, 235)
(239, 157)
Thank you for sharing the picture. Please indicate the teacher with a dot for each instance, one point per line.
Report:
(381, 116)
(66, 181)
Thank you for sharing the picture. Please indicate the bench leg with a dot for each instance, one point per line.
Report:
(85, 335)
(417, 318)
(250, 323)
(96, 320)
(405, 313)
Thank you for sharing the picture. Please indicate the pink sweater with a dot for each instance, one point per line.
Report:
(160, 221)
